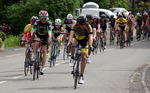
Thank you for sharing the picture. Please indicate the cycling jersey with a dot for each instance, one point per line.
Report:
(148, 19)
(81, 34)
(42, 30)
(69, 25)
(97, 22)
(139, 22)
(54, 29)
(122, 22)
(27, 31)
(112, 22)
(130, 23)
(103, 24)
(93, 25)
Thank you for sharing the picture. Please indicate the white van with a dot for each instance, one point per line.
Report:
(98, 12)
(93, 8)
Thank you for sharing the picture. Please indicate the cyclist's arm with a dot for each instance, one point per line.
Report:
(64, 27)
(90, 39)
(71, 36)
(50, 31)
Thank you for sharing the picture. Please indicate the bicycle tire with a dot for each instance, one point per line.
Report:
(26, 69)
(34, 69)
(77, 72)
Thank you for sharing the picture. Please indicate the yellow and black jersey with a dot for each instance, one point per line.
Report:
(121, 22)
(57, 31)
(81, 34)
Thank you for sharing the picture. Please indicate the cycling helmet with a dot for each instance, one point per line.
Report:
(120, 15)
(129, 12)
(69, 16)
(138, 14)
(129, 18)
(89, 17)
(95, 16)
(103, 16)
(112, 16)
(81, 20)
(57, 22)
(33, 19)
(43, 13)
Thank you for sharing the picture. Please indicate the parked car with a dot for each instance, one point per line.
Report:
(120, 10)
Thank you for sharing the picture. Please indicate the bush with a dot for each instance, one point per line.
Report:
(1, 42)
(2, 36)
(12, 42)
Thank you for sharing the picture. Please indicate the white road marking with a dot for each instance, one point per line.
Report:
(17, 77)
(2, 82)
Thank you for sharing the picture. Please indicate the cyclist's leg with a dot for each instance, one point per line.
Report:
(44, 51)
(74, 43)
(59, 42)
(110, 31)
(124, 35)
(51, 48)
(36, 45)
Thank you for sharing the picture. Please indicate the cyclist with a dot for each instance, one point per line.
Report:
(96, 20)
(81, 33)
(56, 36)
(112, 24)
(42, 30)
(130, 26)
(104, 27)
(131, 15)
(27, 33)
(122, 26)
(93, 25)
(67, 25)
(139, 23)
(137, 15)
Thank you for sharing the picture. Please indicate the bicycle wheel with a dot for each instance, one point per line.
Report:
(34, 69)
(76, 74)
(26, 63)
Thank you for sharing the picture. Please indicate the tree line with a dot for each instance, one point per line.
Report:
(17, 13)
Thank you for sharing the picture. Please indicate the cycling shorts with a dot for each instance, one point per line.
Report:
(129, 27)
(43, 38)
(103, 29)
(83, 43)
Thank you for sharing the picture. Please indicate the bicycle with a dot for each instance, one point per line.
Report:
(144, 32)
(139, 34)
(77, 61)
(101, 42)
(28, 65)
(120, 39)
(38, 60)
(54, 52)
(148, 32)
(129, 37)
(95, 46)
(112, 37)
(66, 49)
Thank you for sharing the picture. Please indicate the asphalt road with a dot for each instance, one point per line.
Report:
(109, 72)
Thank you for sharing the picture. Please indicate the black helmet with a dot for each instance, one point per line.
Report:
(81, 20)
(89, 17)
(120, 15)
(140, 16)
(103, 16)
(112, 16)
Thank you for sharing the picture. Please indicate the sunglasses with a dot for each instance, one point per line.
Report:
(43, 18)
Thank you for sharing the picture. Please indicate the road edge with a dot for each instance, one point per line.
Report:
(143, 78)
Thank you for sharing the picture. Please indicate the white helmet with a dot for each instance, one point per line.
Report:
(69, 16)
(129, 18)
(57, 22)
(138, 14)
(95, 16)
